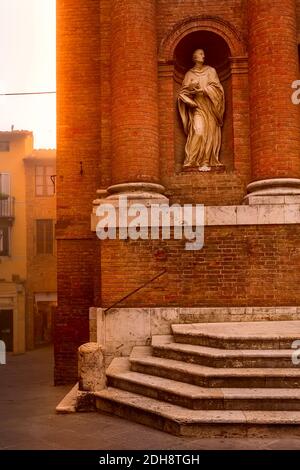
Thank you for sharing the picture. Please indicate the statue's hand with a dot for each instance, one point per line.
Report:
(199, 90)
(192, 86)
(195, 88)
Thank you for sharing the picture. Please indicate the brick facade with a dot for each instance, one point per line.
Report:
(117, 115)
(275, 120)
(79, 137)
(238, 266)
(134, 110)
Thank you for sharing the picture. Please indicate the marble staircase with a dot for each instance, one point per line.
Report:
(210, 379)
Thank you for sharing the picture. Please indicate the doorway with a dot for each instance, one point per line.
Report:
(6, 328)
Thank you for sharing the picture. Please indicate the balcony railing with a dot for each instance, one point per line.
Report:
(7, 207)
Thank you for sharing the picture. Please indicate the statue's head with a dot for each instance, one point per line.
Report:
(199, 56)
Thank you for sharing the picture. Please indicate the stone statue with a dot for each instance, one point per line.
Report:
(201, 105)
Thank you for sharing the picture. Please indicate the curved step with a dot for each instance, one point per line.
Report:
(120, 376)
(221, 358)
(204, 423)
(239, 335)
(204, 376)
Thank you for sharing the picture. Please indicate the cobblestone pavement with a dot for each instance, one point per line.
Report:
(28, 419)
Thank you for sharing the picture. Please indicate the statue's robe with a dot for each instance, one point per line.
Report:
(202, 116)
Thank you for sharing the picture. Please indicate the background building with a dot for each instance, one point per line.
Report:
(14, 146)
(40, 173)
(28, 263)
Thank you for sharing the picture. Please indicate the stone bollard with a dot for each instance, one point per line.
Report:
(91, 367)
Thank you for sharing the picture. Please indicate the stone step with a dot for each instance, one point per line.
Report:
(201, 423)
(221, 358)
(142, 361)
(239, 335)
(120, 376)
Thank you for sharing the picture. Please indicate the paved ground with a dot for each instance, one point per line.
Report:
(28, 419)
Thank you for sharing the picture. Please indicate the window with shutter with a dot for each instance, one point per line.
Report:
(44, 236)
(4, 241)
(5, 184)
(4, 146)
(44, 185)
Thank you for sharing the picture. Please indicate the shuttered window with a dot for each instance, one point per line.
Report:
(4, 146)
(4, 241)
(44, 236)
(44, 186)
(4, 184)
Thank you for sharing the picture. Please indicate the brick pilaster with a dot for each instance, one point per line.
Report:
(273, 66)
(135, 150)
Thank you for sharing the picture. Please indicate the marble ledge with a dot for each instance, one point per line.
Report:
(276, 214)
(262, 214)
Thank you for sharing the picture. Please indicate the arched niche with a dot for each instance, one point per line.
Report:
(216, 49)
(212, 24)
(217, 53)
(226, 51)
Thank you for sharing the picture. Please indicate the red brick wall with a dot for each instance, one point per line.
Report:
(238, 266)
(75, 264)
(170, 12)
(298, 19)
(226, 188)
(78, 139)
(213, 189)
(78, 112)
(217, 189)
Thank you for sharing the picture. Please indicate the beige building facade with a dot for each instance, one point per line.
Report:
(27, 247)
(41, 248)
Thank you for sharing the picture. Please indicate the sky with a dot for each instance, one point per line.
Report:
(27, 51)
